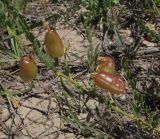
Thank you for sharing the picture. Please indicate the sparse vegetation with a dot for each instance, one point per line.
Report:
(128, 32)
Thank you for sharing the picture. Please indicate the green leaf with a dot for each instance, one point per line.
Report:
(115, 1)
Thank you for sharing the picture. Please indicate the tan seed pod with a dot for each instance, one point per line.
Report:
(28, 68)
(53, 44)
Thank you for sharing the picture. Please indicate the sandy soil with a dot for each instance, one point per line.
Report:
(37, 113)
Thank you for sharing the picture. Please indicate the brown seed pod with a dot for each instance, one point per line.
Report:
(110, 82)
(106, 64)
(53, 44)
(28, 68)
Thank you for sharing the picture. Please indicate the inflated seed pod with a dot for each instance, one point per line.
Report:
(53, 44)
(28, 68)
(106, 64)
(110, 82)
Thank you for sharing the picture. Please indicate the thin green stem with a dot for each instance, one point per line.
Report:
(156, 8)
(114, 107)
(60, 74)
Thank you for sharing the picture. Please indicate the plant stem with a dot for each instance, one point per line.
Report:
(60, 74)
(114, 107)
